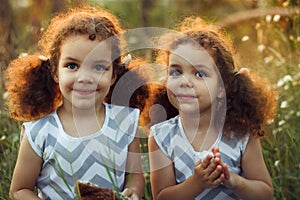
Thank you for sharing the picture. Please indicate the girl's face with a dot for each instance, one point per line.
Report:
(193, 82)
(85, 72)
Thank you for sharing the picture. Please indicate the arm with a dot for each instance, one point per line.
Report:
(256, 182)
(134, 180)
(26, 172)
(163, 181)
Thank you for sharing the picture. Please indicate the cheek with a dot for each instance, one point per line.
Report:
(104, 82)
(172, 99)
(172, 84)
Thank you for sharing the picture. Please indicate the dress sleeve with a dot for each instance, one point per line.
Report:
(32, 138)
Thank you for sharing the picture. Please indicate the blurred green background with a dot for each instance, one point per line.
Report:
(266, 34)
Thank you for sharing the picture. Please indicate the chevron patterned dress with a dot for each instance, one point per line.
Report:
(172, 141)
(89, 158)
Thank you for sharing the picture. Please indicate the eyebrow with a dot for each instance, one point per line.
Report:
(70, 58)
(95, 61)
(197, 66)
(202, 66)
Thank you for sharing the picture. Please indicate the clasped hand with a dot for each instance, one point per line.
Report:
(211, 171)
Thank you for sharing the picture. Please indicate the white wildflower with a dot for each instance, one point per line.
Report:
(22, 55)
(5, 95)
(3, 137)
(291, 112)
(276, 18)
(284, 104)
(277, 163)
(281, 122)
(286, 87)
(268, 18)
(287, 78)
(261, 47)
(280, 83)
(298, 113)
(245, 38)
(268, 59)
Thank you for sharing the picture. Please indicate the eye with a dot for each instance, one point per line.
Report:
(100, 68)
(174, 72)
(201, 74)
(72, 66)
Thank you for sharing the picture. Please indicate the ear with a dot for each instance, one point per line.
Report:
(113, 79)
(55, 78)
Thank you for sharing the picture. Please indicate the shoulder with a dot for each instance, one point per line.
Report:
(122, 118)
(164, 132)
(121, 110)
(39, 124)
(165, 127)
(41, 131)
(235, 141)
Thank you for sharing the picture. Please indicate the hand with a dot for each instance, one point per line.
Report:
(129, 193)
(227, 175)
(208, 172)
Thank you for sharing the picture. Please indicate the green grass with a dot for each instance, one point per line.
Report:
(280, 149)
(9, 143)
(280, 62)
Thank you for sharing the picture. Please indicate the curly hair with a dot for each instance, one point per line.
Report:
(132, 88)
(250, 102)
(32, 91)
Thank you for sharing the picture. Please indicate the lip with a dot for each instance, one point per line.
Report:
(185, 97)
(84, 92)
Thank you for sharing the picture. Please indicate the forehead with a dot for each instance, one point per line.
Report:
(81, 47)
(190, 54)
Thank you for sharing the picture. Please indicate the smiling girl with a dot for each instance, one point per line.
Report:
(211, 149)
(72, 134)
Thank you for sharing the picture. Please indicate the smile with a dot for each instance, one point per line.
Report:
(186, 97)
(84, 92)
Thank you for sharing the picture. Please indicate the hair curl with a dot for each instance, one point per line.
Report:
(32, 92)
(250, 101)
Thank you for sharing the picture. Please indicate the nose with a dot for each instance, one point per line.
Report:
(84, 75)
(185, 81)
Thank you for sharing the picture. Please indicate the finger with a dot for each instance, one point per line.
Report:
(211, 168)
(215, 150)
(226, 171)
(215, 174)
(218, 181)
(217, 160)
(134, 197)
(206, 161)
(217, 155)
(198, 163)
(127, 192)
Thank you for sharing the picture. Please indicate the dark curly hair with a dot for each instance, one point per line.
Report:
(32, 91)
(250, 102)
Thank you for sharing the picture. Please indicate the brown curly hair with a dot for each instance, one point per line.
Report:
(32, 91)
(250, 102)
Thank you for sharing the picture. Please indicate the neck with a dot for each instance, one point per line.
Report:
(196, 123)
(81, 122)
(200, 130)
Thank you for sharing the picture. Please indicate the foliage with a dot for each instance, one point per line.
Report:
(269, 44)
(281, 149)
(9, 145)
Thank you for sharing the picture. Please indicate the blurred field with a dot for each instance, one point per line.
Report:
(267, 42)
